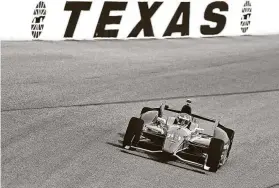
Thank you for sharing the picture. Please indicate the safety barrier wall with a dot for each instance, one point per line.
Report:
(120, 19)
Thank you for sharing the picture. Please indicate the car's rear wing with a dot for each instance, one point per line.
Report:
(215, 121)
(205, 118)
(194, 115)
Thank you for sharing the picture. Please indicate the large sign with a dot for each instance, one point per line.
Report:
(144, 23)
(126, 19)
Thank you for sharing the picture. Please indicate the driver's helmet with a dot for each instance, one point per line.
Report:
(183, 119)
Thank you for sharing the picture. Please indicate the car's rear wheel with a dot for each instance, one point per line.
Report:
(214, 154)
(227, 147)
(133, 132)
(231, 136)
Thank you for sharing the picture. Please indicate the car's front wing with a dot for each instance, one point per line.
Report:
(176, 154)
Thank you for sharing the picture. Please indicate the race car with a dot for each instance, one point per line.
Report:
(180, 136)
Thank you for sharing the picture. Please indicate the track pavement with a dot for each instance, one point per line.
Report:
(65, 106)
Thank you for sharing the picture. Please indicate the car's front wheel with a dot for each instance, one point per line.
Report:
(214, 154)
(133, 132)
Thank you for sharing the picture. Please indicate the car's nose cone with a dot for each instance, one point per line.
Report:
(174, 139)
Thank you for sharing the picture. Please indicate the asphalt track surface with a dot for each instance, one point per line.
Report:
(66, 105)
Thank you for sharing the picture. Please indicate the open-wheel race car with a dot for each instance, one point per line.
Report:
(180, 136)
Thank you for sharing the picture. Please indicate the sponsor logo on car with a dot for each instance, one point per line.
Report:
(37, 24)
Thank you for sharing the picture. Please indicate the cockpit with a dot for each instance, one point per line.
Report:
(183, 119)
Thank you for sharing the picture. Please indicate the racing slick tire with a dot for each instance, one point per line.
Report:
(230, 134)
(214, 154)
(231, 137)
(133, 132)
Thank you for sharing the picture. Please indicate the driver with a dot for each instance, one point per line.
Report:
(184, 120)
